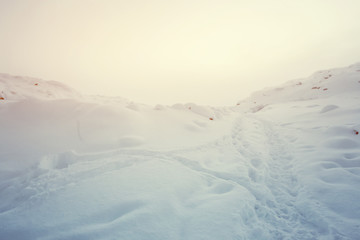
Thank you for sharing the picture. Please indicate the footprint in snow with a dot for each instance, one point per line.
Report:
(328, 108)
(222, 188)
(341, 143)
(256, 162)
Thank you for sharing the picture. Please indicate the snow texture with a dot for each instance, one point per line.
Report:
(282, 164)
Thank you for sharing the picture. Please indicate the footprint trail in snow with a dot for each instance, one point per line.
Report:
(263, 165)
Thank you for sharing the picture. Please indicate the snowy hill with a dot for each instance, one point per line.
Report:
(17, 87)
(283, 164)
(46, 117)
(322, 84)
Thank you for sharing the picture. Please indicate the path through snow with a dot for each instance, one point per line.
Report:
(264, 166)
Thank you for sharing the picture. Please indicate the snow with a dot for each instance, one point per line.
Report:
(282, 164)
(18, 87)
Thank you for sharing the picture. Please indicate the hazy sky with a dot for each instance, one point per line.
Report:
(152, 51)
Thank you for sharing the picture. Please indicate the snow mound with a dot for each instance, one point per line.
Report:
(321, 84)
(41, 124)
(19, 88)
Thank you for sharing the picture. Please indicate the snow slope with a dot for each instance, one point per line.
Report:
(41, 124)
(18, 87)
(322, 84)
(283, 164)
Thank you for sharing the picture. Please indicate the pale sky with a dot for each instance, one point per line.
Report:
(151, 51)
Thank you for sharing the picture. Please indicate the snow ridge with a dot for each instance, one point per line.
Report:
(321, 84)
(18, 88)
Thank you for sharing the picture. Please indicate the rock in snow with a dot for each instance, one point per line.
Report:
(282, 164)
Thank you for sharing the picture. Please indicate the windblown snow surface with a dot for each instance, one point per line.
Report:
(282, 164)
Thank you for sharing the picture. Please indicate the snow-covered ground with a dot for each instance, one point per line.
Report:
(282, 164)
